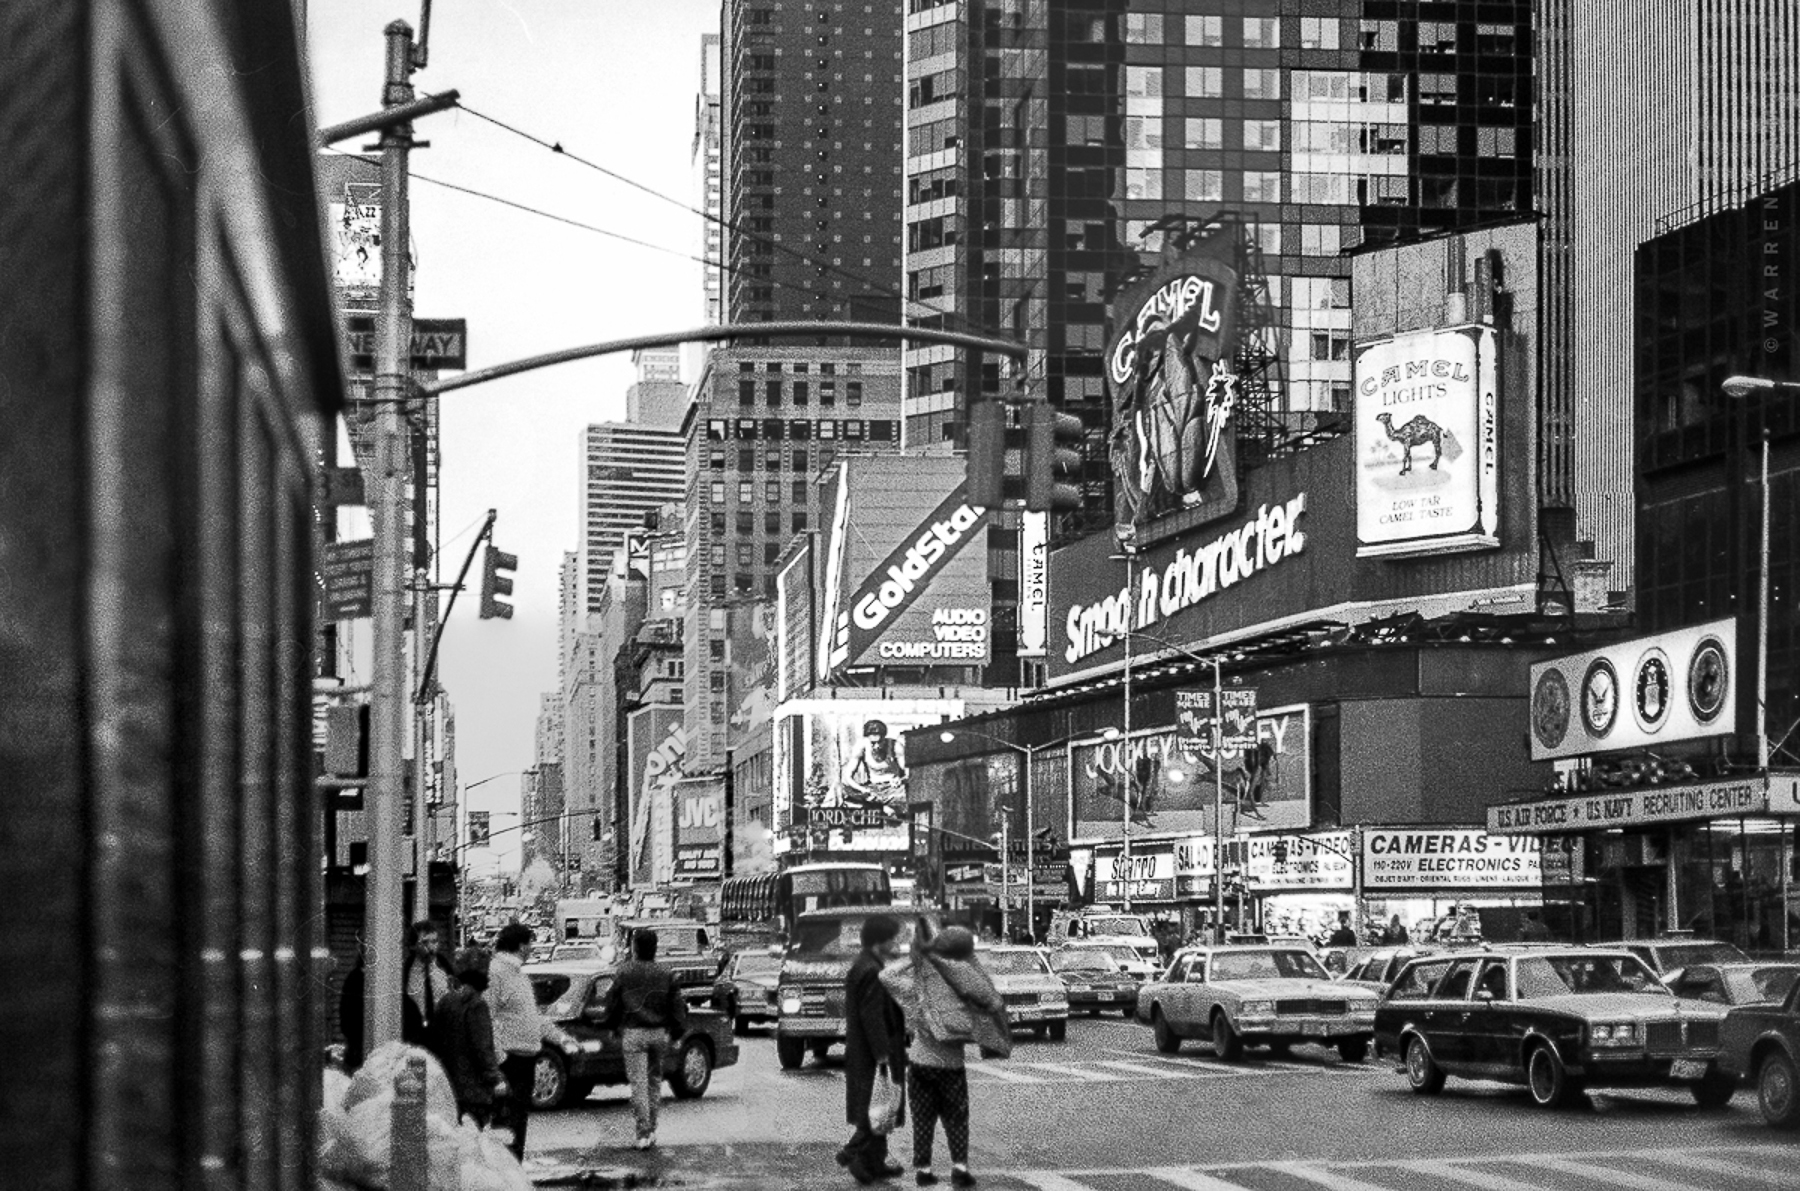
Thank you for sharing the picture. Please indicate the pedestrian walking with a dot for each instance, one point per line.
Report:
(646, 1008)
(518, 1027)
(875, 1041)
(949, 1001)
(465, 1033)
(424, 978)
(1533, 930)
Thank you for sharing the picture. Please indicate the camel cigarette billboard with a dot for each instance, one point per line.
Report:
(1427, 443)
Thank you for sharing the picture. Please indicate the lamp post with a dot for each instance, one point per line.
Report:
(1029, 752)
(1128, 552)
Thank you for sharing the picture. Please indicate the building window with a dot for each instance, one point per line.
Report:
(1318, 33)
(798, 522)
(800, 460)
(1262, 84)
(1262, 186)
(1144, 28)
(718, 493)
(1205, 82)
(1380, 35)
(746, 392)
(798, 488)
(1319, 239)
(773, 389)
(746, 522)
(1144, 81)
(853, 392)
(1437, 88)
(1204, 132)
(717, 459)
(800, 394)
(1205, 185)
(1262, 33)
(1205, 30)
(772, 491)
(1331, 345)
(1143, 184)
(1262, 135)
(746, 460)
(746, 492)
(827, 393)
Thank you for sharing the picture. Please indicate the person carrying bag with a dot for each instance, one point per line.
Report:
(950, 1002)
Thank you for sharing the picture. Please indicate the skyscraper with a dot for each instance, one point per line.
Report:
(631, 468)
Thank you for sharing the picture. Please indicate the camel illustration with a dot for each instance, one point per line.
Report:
(1420, 429)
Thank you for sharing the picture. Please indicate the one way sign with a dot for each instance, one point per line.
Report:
(436, 342)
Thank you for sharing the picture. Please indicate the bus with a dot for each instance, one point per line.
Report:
(758, 911)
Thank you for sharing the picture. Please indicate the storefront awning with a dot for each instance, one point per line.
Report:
(1777, 793)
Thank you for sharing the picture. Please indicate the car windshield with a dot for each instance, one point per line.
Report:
(1759, 985)
(1114, 926)
(1083, 961)
(758, 965)
(837, 936)
(1559, 975)
(576, 951)
(1014, 963)
(1686, 955)
(560, 997)
(1266, 965)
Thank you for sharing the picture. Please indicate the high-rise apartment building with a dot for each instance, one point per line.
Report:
(1046, 144)
(1653, 114)
(629, 470)
(765, 422)
(658, 397)
(811, 111)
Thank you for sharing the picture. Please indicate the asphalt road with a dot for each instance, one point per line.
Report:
(1103, 1111)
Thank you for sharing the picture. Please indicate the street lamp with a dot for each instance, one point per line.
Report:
(1128, 552)
(1742, 387)
(1029, 752)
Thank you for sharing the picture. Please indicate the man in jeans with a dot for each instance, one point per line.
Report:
(518, 1026)
(646, 1008)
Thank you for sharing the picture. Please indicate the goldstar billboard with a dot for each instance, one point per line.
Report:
(1427, 443)
(906, 567)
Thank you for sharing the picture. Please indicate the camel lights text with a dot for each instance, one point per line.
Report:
(1451, 371)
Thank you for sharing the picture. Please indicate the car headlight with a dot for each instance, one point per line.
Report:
(1257, 1009)
(1619, 1033)
(790, 1005)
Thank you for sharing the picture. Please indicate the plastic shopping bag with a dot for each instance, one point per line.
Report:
(886, 1103)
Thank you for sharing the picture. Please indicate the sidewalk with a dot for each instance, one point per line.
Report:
(764, 1166)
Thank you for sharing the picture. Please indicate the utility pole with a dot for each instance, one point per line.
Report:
(383, 909)
(1005, 883)
(1218, 759)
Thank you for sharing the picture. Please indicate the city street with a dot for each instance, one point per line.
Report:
(1104, 1111)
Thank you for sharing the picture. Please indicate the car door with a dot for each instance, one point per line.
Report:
(1447, 1022)
(609, 1064)
(1489, 1019)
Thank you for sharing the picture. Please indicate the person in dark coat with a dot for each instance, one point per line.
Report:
(465, 1035)
(1343, 936)
(875, 1037)
(424, 978)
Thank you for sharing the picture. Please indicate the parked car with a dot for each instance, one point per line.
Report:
(1556, 1020)
(1094, 980)
(1257, 996)
(1761, 1044)
(1035, 997)
(746, 989)
(1667, 957)
(1735, 984)
(810, 995)
(579, 1055)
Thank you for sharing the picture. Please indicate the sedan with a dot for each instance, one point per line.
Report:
(1735, 984)
(1133, 961)
(1035, 998)
(1094, 981)
(1375, 969)
(1247, 995)
(1761, 1043)
(746, 989)
(1554, 1020)
(1667, 957)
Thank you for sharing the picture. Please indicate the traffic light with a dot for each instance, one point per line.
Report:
(494, 584)
(1280, 849)
(1052, 459)
(596, 828)
(986, 461)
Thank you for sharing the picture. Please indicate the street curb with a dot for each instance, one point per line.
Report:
(605, 1178)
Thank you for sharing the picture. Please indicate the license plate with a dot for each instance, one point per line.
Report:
(1106, 996)
(1313, 1028)
(1687, 1069)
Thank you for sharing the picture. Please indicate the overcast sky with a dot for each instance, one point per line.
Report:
(612, 81)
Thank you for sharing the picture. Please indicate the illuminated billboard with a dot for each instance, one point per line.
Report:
(905, 580)
(1670, 687)
(841, 778)
(656, 747)
(1172, 790)
(1169, 371)
(699, 806)
(1427, 442)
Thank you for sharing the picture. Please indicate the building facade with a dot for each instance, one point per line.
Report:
(629, 470)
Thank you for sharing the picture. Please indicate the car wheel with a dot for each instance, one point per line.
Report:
(1714, 1090)
(791, 1052)
(1778, 1091)
(1547, 1078)
(693, 1070)
(1226, 1043)
(1425, 1076)
(549, 1081)
(1353, 1050)
(1059, 1030)
(1167, 1040)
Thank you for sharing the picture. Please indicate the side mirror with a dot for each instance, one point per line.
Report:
(594, 1014)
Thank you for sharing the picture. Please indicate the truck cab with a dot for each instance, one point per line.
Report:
(810, 992)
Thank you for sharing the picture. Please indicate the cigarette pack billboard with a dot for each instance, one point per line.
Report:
(1634, 694)
(1169, 369)
(1173, 790)
(655, 747)
(1034, 584)
(1427, 442)
(906, 580)
(841, 779)
(699, 827)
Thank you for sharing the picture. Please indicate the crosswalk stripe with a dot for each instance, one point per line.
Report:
(1616, 1178)
(1722, 1166)
(1468, 1176)
(1003, 1074)
(1046, 1180)
(1191, 1180)
(1088, 1074)
(1162, 1072)
(1325, 1178)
